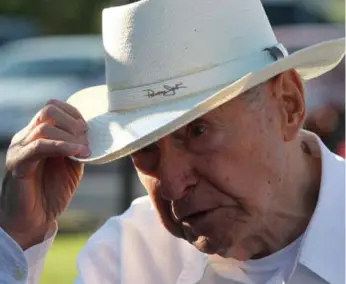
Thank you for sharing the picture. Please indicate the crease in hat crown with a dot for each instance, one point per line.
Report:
(154, 41)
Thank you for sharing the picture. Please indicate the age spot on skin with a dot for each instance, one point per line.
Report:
(267, 155)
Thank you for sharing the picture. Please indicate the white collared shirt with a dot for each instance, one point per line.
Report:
(135, 247)
(275, 267)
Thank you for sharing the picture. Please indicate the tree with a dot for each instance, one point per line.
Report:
(63, 16)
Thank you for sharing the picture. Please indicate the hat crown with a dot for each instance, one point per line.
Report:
(155, 40)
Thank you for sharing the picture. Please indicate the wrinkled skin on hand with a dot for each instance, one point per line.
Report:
(40, 179)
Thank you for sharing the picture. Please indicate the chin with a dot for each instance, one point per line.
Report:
(204, 245)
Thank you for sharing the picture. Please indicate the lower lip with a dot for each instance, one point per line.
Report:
(197, 217)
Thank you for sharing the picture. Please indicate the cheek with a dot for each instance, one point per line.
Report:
(221, 229)
(248, 173)
(163, 207)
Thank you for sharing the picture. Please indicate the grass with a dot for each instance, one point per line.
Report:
(60, 265)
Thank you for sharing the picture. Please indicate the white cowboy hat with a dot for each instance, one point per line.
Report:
(169, 62)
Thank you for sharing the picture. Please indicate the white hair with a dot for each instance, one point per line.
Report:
(255, 96)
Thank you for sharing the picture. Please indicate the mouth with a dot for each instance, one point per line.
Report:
(195, 217)
(192, 218)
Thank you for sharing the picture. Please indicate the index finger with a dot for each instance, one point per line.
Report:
(69, 109)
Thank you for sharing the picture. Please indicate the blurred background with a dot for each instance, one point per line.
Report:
(50, 49)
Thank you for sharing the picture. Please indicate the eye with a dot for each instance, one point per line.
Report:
(147, 159)
(196, 130)
(148, 149)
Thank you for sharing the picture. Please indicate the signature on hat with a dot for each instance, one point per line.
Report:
(168, 91)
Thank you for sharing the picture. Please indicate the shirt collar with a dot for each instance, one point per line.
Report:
(323, 247)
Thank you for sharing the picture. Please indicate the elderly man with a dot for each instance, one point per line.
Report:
(210, 107)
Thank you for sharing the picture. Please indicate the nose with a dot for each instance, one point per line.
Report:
(177, 175)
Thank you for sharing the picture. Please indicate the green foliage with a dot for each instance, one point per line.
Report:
(60, 266)
(62, 16)
(84, 16)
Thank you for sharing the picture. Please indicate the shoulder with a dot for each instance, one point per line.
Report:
(133, 240)
(325, 236)
(337, 161)
(138, 220)
(331, 200)
(334, 173)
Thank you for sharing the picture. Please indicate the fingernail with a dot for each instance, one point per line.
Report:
(84, 151)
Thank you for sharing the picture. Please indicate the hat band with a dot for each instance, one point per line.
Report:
(177, 88)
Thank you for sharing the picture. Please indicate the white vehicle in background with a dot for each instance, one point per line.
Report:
(34, 70)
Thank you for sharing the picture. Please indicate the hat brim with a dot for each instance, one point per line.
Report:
(113, 135)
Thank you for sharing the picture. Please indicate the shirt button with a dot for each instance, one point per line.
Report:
(19, 274)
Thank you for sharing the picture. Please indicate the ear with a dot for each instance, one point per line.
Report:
(289, 92)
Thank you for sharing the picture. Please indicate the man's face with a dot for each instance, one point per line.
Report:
(215, 181)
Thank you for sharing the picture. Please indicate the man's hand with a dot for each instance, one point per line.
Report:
(40, 180)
